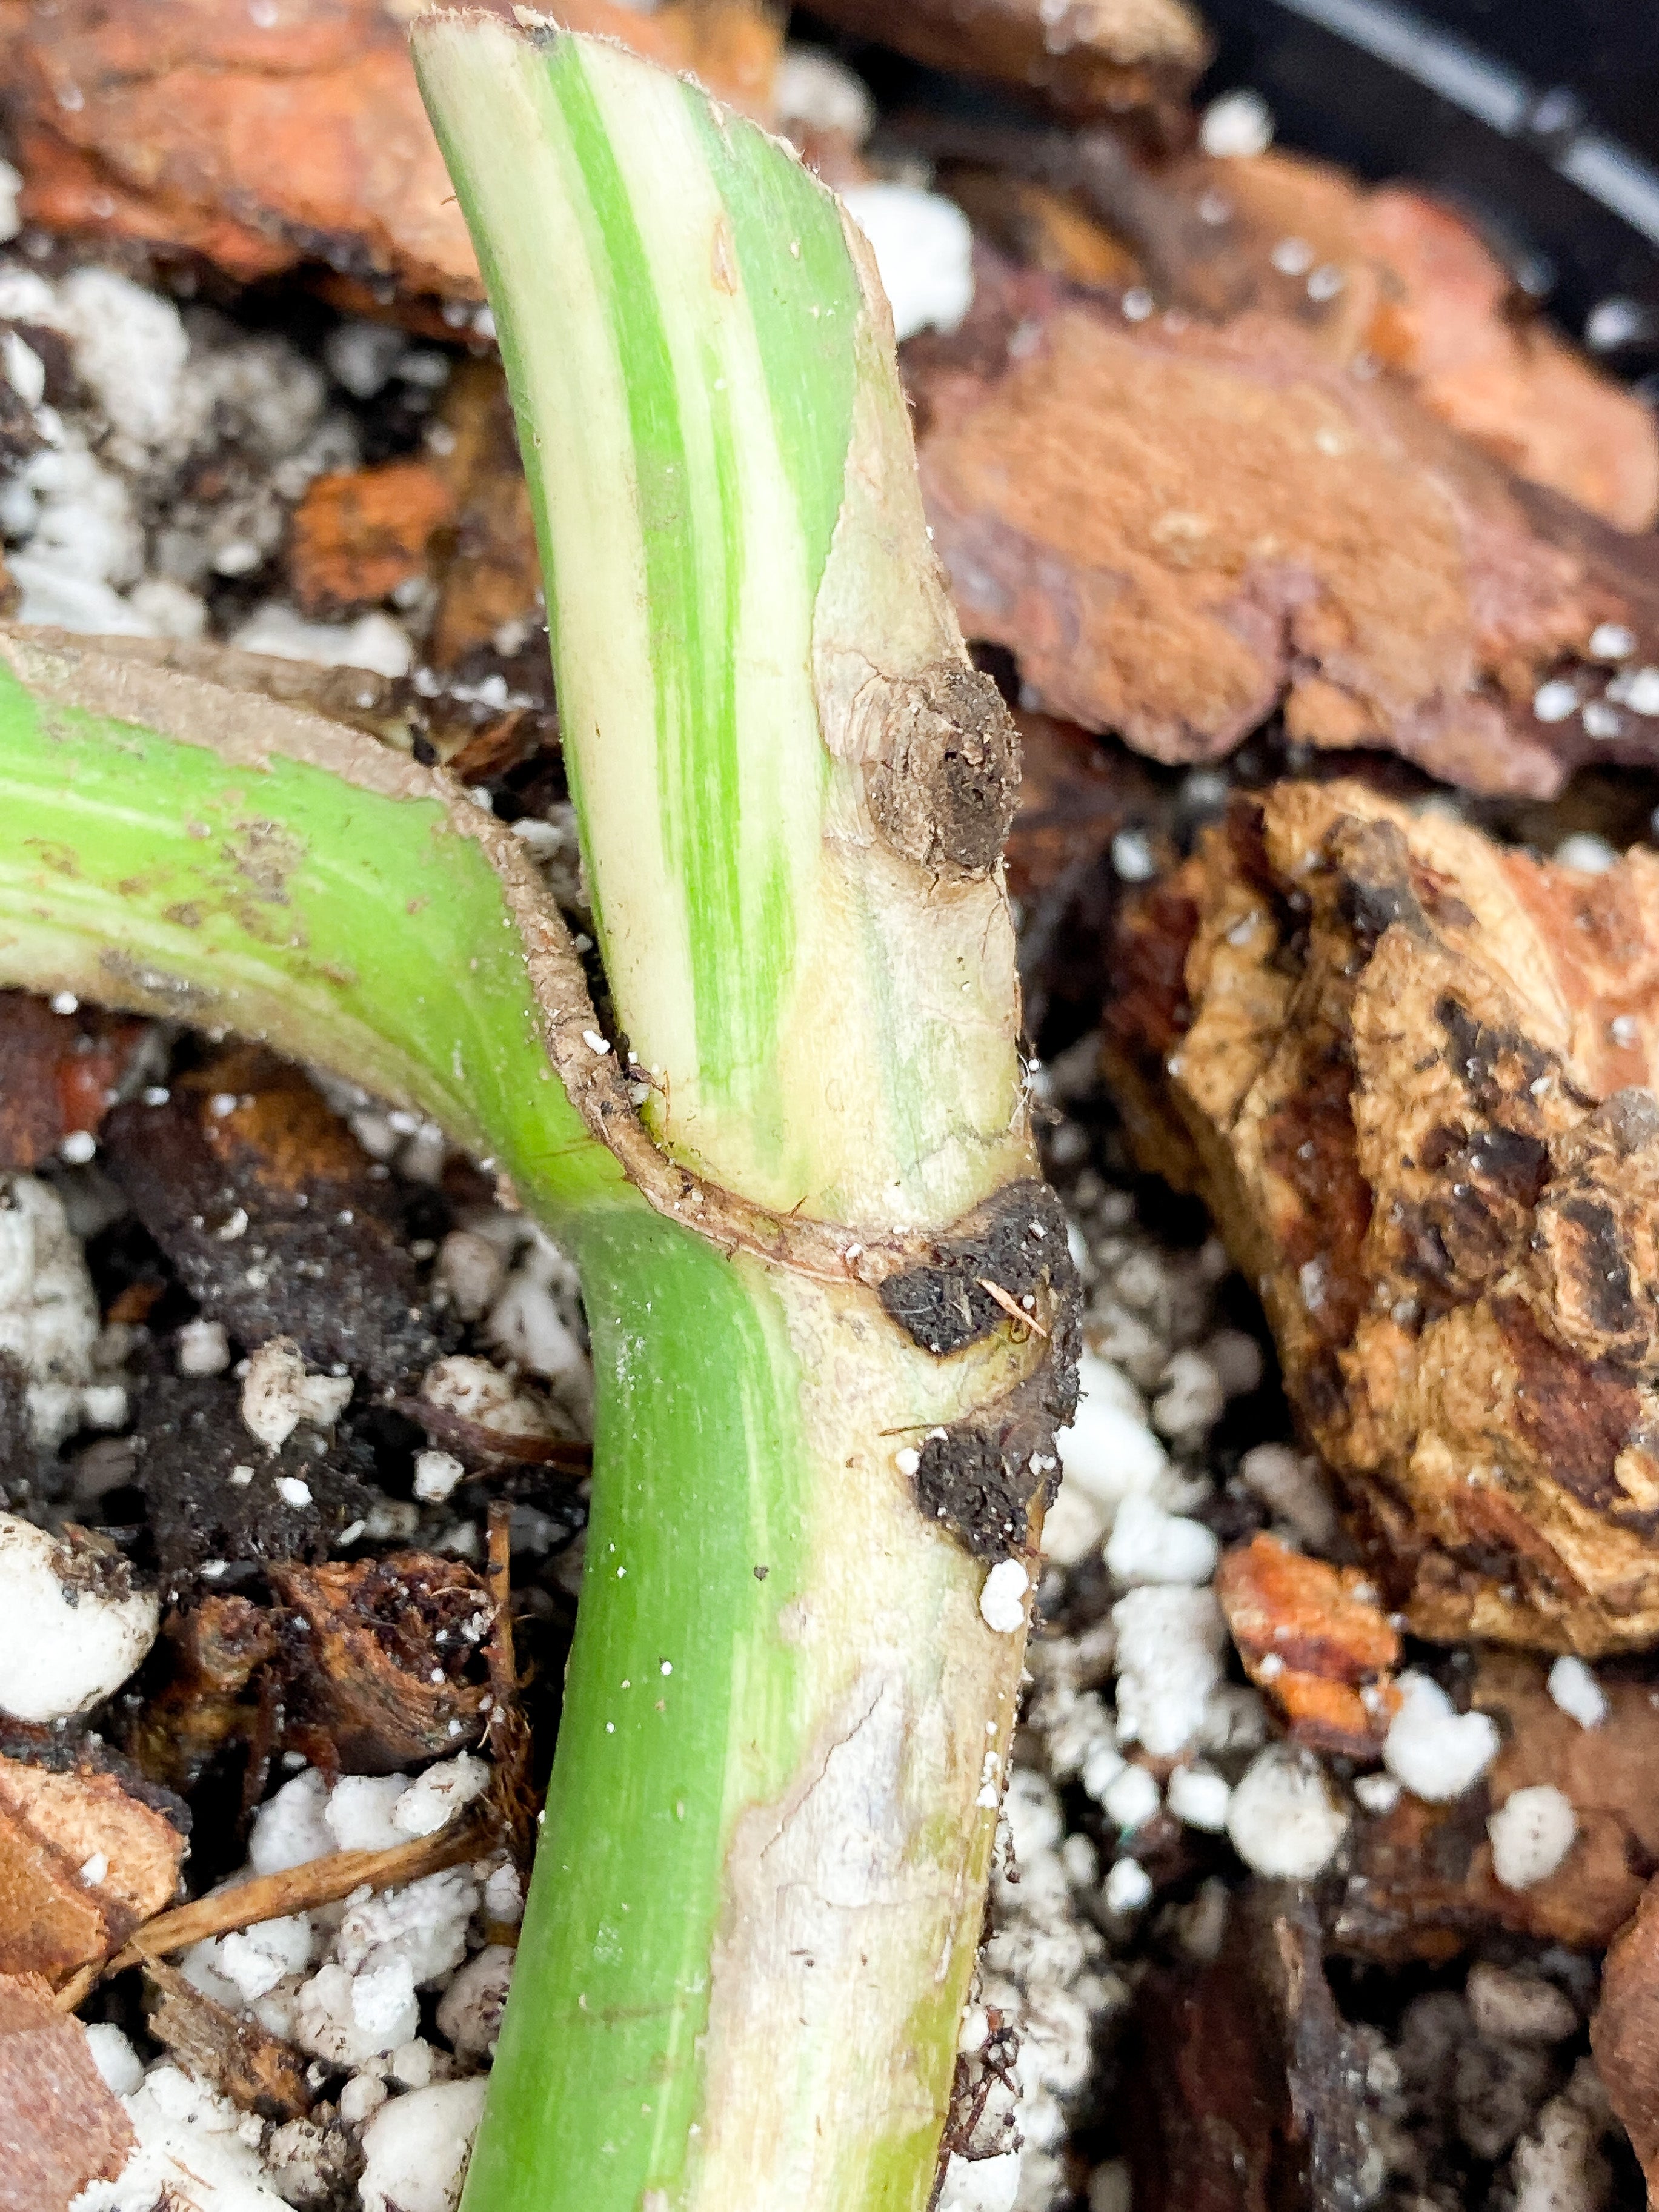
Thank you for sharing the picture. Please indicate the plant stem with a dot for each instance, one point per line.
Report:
(759, 1887)
(793, 792)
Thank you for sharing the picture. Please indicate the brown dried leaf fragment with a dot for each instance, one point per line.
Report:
(360, 533)
(230, 2051)
(1411, 1072)
(1625, 2035)
(1108, 57)
(82, 1863)
(392, 1667)
(1179, 529)
(60, 2127)
(1313, 1637)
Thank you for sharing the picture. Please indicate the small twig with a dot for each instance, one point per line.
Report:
(296, 1889)
(507, 1738)
(79, 1986)
(1010, 1305)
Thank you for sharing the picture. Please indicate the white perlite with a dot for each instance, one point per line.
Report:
(1128, 1887)
(1199, 1800)
(202, 1347)
(1518, 2007)
(115, 2059)
(437, 1474)
(1283, 1819)
(982, 2185)
(1577, 1692)
(1437, 1753)
(72, 1627)
(1532, 1831)
(924, 253)
(291, 1828)
(815, 92)
(1130, 1798)
(1289, 1483)
(1148, 1545)
(1170, 1642)
(49, 1318)
(278, 1393)
(1236, 125)
(359, 1812)
(439, 1794)
(374, 641)
(470, 2009)
(534, 1323)
(1073, 1525)
(195, 2153)
(415, 2148)
(1109, 1453)
(1002, 1597)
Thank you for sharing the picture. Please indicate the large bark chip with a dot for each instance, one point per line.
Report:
(60, 2128)
(1413, 1074)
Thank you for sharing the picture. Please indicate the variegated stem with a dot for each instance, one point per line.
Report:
(760, 1884)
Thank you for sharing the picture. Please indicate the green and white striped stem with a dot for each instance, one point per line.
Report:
(830, 1314)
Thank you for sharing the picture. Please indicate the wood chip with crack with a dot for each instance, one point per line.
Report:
(1410, 1073)
(230, 2051)
(83, 1862)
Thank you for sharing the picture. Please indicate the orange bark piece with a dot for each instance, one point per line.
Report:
(194, 128)
(362, 532)
(1310, 1635)
(1317, 1619)
(1329, 1715)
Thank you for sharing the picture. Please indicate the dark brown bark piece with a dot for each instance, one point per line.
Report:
(393, 1666)
(1245, 2093)
(211, 1659)
(1421, 1888)
(60, 2128)
(1107, 58)
(1410, 1073)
